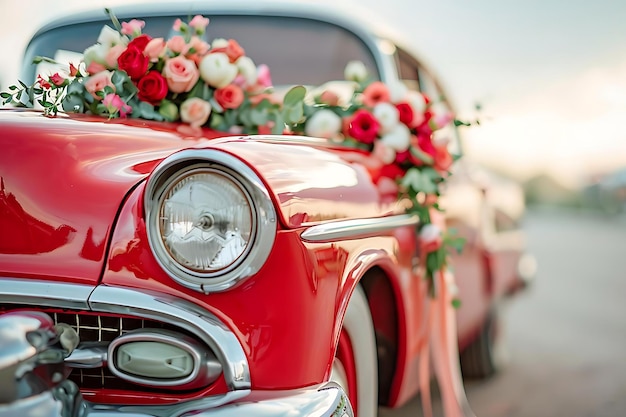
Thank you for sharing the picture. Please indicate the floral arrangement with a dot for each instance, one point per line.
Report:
(184, 78)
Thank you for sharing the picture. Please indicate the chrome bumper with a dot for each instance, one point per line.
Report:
(28, 342)
(64, 401)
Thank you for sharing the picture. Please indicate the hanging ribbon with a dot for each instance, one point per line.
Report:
(442, 347)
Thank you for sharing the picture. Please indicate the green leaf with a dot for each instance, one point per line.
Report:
(294, 96)
(419, 181)
(258, 117)
(456, 303)
(293, 114)
(114, 20)
(279, 125)
(5, 95)
(12, 87)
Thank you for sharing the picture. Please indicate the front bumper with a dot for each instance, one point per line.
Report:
(64, 401)
(44, 393)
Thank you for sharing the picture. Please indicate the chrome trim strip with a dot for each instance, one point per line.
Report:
(48, 293)
(139, 303)
(327, 400)
(185, 315)
(353, 229)
(262, 208)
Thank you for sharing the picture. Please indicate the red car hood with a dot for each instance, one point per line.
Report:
(64, 179)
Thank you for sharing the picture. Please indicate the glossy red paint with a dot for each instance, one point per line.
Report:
(62, 182)
(288, 315)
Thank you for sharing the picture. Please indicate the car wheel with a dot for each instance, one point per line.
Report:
(485, 355)
(355, 363)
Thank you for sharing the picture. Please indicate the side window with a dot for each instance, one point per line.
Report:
(415, 77)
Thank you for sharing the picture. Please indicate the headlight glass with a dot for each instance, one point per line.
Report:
(210, 220)
(206, 221)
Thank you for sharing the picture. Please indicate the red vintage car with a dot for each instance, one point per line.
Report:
(214, 273)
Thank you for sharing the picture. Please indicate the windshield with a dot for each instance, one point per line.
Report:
(297, 50)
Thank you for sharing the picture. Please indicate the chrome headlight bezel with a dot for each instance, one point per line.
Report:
(264, 221)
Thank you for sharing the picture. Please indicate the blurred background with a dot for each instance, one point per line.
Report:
(549, 80)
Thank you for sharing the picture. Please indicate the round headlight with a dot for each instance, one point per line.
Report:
(209, 224)
(206, 220)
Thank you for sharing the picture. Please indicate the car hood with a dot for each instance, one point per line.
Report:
(63, 181)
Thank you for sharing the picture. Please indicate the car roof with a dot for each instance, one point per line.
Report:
(357, 21)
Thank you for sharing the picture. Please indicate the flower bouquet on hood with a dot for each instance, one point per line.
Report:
(185, 79)
(129, 74)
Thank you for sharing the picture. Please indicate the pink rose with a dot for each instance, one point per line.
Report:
(181, 74)
(198, 46)
(177, 24)
(195, 111)
(113, 54)
(199, 24)
(330, 98)
(232, 49)
(229, 97)
(155, 49)
(115, 104)
(95, 67)
(177, 45)
(264, 77)
(376, 92)
(133, 28)
(97, 82)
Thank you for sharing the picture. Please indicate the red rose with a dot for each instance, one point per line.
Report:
(140, 42)
(229, 97)
(425, 143)
(134, 62)
(152, 87)
(392, 171)
(363, 127)
(406, 113)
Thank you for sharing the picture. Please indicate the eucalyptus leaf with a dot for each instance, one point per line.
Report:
(293, 114)
(294, 96)
(258, 117)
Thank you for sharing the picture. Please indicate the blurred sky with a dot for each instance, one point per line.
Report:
(549, 74)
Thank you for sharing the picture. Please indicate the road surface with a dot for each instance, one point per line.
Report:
(566, 336)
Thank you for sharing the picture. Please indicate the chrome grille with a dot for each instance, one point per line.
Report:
(97, 328)
(92, 328)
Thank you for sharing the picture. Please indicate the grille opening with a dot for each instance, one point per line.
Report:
(94, 327)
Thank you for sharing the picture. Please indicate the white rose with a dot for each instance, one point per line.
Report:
(219, 43)
(397, 92)
(398, 139)
(247, 69)
(323, 124)
(387, 115)
(417, 102)
(95, 53)
(110, 37)
(217, 71)
(430, 233)
(355, 71)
